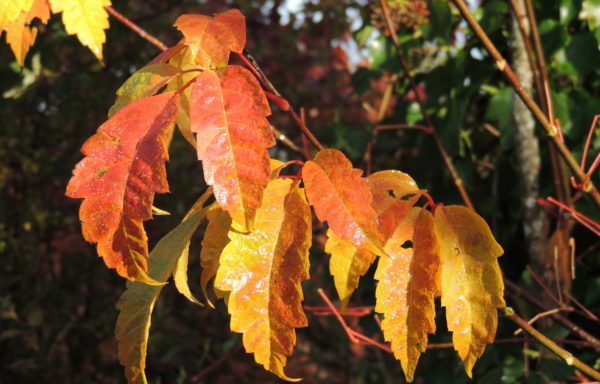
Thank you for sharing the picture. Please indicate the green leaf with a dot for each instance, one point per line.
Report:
(137, 302)
(180, 276)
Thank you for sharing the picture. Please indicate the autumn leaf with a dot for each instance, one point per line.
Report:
(123, 168)
(472, 286)
(343, 198)
(85, 18)
(20, 35)
(394, 193)
(10, 11)
(213, 38)
(408, 282)
(347, 264)
(228, 114)
(137, 302)
(263, 269)
(184, 60)
(143, 83)
(214, 241)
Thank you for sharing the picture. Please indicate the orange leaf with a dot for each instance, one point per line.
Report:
(228, 113)
(19, 35)
(347, 264)
(343, 198)
(472, 286)
(123, 168)
(143, 83)
(394, 193)
(214, 241)
(212, 38)
(407, 286)
(262, 271)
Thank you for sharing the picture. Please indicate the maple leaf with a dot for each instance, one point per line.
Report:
(137, 302)
(213, 38)
(347, 264)
(10, 11)
(408, 281)
(472, 286)
(143, 83)
(343, 198)
(263, 269)
(123, 168)
(214, 241)
(19, 35)
(85, 18)
(394, 193)
(228, 113)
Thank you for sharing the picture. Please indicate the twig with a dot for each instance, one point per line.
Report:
(136, 28)
(338, 316)
(575, 343)
(531, 104)
(546, 289)
(215, 364)
(551, 345)
(440, 146)
(249, 61)
(539, 316)
(286, 141)
(585, 310)
(575, 329)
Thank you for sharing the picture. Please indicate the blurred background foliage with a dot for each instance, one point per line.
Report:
(57, 300)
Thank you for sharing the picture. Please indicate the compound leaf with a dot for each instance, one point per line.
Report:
(472, 286)
(137, 302)
(263, 269)
(123, 168)
(228, 113)
(343, 198)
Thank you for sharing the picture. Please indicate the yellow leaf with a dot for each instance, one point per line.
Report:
(137, 302)
(19, 35)
(85, 18)
(407, 286)
(263, 269)
(214, 241)
(180, 276)
(347, 264)
(10, 11)
(472, 286)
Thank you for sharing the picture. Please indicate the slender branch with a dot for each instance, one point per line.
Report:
(551, 345)
(215, 364)
(136, 28)
(440, 146)
(531, 104)
(249, 61)
(573, 328)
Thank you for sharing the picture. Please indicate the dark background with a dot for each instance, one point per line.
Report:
(57, 299)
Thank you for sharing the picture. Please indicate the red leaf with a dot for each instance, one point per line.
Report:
(214, 37)
(123, 168)
(228, 113)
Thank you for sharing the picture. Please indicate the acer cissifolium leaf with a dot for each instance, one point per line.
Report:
(259, 231)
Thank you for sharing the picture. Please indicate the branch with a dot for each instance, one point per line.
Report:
(136, 28)
(442, 150)
(550, 129)
(551, 345)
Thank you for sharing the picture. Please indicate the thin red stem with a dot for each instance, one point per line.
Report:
(136, 28)
(591, 223)
(338, 316)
